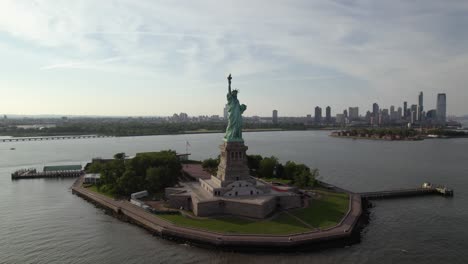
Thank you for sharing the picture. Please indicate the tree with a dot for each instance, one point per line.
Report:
(267, 167)
(289, 170)
(253, 161)
(128, 183)
(313, 177)
(211, 165)
(125, 177)
(95, 167)
(279, 171)
(159, 178)
(167, 158)
(305, 177)
(119, 156)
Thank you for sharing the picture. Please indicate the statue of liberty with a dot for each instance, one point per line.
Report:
(235, 110)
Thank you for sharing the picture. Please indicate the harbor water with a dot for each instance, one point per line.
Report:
(42, 222)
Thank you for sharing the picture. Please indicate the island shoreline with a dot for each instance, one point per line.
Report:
(347, 232)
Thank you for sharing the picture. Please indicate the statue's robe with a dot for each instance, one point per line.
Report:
(235, 110)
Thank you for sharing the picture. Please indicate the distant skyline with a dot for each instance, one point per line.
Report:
(148, 58)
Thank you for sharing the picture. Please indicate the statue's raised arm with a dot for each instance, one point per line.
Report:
(229, 80)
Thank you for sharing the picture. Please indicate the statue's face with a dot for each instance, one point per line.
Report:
(234, 93)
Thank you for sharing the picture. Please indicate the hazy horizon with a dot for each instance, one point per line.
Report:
(126, 58)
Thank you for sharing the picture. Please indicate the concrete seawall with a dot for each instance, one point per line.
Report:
(128, 212)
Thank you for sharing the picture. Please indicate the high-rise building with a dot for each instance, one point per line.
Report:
(368, 116)
(420, 105)
(385, 114)
(414, 116)
(328, 114)
(318, 115)
(413, 113)
(441, 108)
(431, 115)
(399, 113)
(353, 113)
(345, 113)
(405, 109)
(392, 113)
(375, 110)
(225, 115)
(275, 117)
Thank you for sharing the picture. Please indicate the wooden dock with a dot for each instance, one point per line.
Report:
(406, 193)
(18, 139)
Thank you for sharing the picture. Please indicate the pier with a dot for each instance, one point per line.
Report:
(407, 193)
(18, 139)
(71, 171)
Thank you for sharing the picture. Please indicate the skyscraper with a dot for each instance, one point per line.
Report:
(392, 113)
(375, 110)
(318, 115)
(275, 117)
(441, 108)
(353, 113)
(420, 105)
(328, 114)
(432, 115)
(414, 113)
(368, 117)
(405, 109)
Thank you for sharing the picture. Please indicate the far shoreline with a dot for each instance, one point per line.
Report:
(165, 134)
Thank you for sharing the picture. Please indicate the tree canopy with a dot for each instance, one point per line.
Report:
(152, 171)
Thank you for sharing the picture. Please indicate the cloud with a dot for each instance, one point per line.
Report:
(392, 48)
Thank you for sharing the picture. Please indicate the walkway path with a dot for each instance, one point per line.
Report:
(300, 220)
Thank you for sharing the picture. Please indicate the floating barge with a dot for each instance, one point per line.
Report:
(67, 171)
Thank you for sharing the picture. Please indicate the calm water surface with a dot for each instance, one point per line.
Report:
(42, 222)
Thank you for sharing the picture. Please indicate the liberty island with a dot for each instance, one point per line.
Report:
(231, 208)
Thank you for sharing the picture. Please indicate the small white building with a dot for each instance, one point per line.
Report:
(92, 178)
(139, 195)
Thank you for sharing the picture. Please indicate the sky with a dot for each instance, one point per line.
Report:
(156, 58)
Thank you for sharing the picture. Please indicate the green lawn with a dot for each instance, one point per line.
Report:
(95, 189)
(281, 225)
(325, 212)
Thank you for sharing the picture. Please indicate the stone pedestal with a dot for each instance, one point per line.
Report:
(233, 163)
